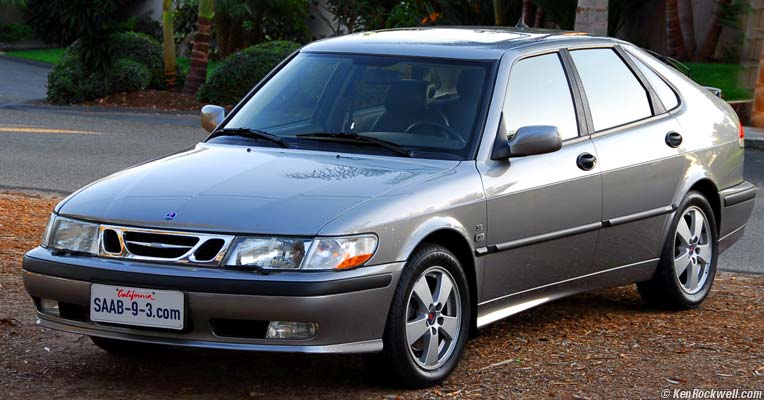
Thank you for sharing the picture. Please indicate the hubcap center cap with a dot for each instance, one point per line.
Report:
(431, 317)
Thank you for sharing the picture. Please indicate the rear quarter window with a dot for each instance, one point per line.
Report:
(662, 89)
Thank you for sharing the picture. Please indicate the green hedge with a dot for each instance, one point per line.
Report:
(137, 65)
(237, 74)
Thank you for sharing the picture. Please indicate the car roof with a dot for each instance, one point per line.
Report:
(469, 43)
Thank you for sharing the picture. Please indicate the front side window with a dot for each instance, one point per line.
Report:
(615, 95)
(427, 107)
(539, 94)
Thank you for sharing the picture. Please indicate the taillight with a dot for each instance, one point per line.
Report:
(741, 138)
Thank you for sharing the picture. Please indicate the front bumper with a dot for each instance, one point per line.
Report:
(350, 307)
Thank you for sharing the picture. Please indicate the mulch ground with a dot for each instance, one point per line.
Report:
(600, 345)
(162, 100)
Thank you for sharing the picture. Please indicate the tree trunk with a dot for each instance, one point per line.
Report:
(687, 22)
(168, 44)
(591, 16)
(527, 13)
(498, 12)
(539, 19)
(757, 115)
(197, 74)
(675, 40)
(711, 41)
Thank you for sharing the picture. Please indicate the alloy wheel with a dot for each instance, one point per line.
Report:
(433, 318)
(693, 250)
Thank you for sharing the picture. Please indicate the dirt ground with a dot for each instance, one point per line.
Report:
(601, 345)
(167, 100)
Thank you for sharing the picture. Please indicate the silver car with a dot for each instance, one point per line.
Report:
(391, 192)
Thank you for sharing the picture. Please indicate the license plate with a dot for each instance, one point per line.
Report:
(137, 306)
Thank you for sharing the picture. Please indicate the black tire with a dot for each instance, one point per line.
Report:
(125, 348)
(396, 358)
(665, 290)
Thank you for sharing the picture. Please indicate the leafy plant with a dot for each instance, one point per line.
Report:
(242, 23)
(237, 74)
(127, 75)
(10, 34)
(137, 65)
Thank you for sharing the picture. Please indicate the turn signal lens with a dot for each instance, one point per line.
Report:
(340, 253)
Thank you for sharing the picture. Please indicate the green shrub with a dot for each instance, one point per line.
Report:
(127, 75)
(137, 65)
(143, 49)
(11, 34)
(237, 74)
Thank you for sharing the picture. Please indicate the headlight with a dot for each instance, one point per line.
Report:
(294, 254)
(68, 234)
(268, 253)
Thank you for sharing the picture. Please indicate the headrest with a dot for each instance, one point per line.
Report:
(470, 82)
(407, 96)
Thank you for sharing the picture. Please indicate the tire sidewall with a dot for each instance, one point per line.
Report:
(698, 200)
(395, 336)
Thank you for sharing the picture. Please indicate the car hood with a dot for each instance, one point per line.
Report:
(233, 189)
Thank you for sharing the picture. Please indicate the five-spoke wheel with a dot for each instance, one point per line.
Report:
(428, 322)
(433, 318)
(687, 265)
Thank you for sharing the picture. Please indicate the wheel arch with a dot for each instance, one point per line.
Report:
(708, 189)
(452, 235)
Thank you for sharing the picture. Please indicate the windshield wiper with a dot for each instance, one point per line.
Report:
(251, 133)
(359, 139)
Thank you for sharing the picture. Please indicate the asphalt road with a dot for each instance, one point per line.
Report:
(21, 81)
(57, 150)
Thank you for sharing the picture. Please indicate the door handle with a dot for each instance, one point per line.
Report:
(673, 139)
(586, 161)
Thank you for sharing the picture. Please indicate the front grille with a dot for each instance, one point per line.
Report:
(158, 245)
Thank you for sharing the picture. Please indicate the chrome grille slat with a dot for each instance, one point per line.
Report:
(161, 245)
(158, 245)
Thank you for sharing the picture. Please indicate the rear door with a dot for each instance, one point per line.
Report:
(639, 149)
(544, 211)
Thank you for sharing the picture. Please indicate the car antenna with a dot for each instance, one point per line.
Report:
(521, 22)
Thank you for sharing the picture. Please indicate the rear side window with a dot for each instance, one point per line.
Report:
(614, 94)
(665, 93)
(539, 94)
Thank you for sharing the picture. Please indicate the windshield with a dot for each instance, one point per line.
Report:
(425, 106)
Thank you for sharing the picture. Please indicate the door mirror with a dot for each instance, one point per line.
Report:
(527, 141)
(212, 116)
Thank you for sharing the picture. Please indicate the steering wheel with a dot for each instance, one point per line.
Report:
(450, 132)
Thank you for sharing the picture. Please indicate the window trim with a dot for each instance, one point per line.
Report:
(640, 78)
(655, 102)
(579, 107)
(668, 83)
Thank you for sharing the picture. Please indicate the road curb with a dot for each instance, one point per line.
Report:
(95, 109)
(754, 144)
(27, 62)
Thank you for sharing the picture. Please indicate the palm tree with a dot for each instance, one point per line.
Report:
(675, 44)
(711, 41)
(757, 114)
(197, 74)
(591, 16)
(168, 44)
(498, 12)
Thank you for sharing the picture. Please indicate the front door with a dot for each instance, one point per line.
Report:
(544, 211)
